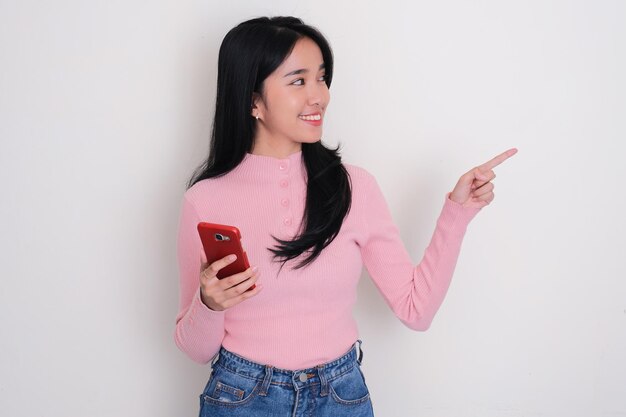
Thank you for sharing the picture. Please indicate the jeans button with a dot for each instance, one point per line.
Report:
(303, 378)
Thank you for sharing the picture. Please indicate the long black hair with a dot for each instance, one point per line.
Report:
(249, 53)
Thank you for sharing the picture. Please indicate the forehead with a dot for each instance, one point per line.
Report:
(305, 55)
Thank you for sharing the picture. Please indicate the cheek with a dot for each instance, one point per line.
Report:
(327, 94)
(282, 106)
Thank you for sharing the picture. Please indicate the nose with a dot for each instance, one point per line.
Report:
(318, 94)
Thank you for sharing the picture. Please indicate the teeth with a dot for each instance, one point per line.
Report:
(314, 117)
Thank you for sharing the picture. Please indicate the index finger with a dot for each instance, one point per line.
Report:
(215, 267)
(498, 159)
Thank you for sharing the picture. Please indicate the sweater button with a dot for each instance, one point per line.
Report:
(282, 166)
(287, 222)
(284, 202)
(284, 183)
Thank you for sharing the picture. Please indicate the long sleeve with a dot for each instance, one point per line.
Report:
(414, 293)
(199, 330)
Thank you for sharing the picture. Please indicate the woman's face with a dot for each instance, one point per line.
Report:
(292, 106)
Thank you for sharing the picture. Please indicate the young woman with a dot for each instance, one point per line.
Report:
(289, 347)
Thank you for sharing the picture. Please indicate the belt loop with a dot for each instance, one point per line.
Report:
(359, 341)
(266, 381)
(215, 358)
(323, 381)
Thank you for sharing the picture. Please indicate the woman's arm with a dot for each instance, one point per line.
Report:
(199, 330)
(413, 292)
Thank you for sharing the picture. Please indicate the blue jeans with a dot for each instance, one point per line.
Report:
(239, 387)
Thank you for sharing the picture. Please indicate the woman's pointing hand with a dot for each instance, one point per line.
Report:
(474, 188)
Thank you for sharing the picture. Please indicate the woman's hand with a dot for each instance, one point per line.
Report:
(474, 188)
(220, 294)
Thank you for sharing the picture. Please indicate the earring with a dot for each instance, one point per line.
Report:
(257, 118)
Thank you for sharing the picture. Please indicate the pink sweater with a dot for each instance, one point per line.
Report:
(302, 318)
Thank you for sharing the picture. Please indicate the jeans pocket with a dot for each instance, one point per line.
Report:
(349, 388)
(229, 388)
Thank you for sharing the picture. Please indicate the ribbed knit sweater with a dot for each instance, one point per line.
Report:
(303, 317)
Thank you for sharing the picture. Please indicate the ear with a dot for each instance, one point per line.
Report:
(257, 105)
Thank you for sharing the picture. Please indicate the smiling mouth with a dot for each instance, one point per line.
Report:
(311, 117)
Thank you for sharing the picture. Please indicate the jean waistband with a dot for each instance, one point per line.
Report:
(299, 379)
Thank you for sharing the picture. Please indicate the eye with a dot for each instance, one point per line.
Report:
(299, 81)
(323, 78)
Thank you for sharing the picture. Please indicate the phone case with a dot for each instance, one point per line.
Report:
(219, 241)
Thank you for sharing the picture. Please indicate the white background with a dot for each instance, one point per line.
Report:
(106, 110)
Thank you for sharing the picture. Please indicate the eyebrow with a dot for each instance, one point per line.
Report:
(301, 71)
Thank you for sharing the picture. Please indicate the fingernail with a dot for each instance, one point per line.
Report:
(232, 257)
(254, 269)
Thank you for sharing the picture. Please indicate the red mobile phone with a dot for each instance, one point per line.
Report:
(219, 241)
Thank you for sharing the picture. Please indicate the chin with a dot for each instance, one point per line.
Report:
(311, 140)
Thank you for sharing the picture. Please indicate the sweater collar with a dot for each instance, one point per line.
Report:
(261, 165)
